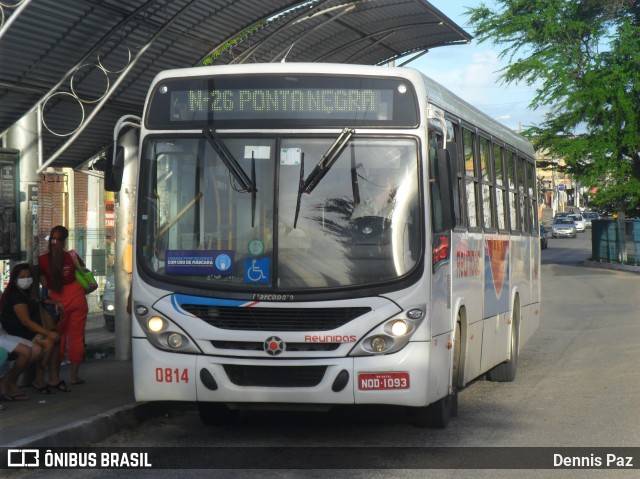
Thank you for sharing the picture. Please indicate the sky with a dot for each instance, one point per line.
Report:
(471, 72)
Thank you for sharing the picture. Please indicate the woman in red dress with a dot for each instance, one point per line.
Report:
(57, 274)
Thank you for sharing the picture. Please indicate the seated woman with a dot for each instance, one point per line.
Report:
(23, 317)
(25, 353)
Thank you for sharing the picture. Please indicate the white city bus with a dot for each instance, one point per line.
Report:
(310, 235)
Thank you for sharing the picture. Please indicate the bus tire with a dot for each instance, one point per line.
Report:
(506, 372)
(436, 415)
(215, 414)
(456, 367)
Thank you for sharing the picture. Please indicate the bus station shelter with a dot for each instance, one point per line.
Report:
(69, 69)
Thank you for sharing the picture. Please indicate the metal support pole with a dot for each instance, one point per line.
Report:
(23, 136)
(124, 242)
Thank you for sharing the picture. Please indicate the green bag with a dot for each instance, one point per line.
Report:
(84, 276)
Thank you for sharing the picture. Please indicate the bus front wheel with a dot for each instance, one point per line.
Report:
(215, 414)
(436, 415)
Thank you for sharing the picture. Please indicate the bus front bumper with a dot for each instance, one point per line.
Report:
(397, 379)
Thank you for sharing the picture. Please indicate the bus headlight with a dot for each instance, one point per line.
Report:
(379, 344)
(174, 340)
(166, 335)
(392, 334)
(155, 324)
(399, 327)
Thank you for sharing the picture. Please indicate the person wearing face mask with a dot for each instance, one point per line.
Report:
(23, 317)
(57, 274)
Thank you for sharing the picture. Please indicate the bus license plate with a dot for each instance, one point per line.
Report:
(382, 381)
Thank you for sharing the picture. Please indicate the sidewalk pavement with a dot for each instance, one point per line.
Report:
(96, 336)
(547, 217)
(90, 413)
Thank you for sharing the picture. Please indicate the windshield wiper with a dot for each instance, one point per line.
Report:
(327, 161)
(322, 168)
(355, 188)
(247, 184)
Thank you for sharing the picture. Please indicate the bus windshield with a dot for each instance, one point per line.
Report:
(198, 227)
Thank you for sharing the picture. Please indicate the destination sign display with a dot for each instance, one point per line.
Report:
(286, 102)
(250, 101)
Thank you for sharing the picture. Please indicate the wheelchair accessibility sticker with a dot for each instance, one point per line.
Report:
(257, 270)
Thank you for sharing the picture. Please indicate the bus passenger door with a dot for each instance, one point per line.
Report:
(441, 224)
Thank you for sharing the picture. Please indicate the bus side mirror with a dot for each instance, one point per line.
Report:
(114, 169)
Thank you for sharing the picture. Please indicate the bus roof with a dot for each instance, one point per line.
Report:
(440, 96)
(283, 68)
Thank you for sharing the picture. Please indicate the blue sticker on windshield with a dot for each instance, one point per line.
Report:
(199, 262)
(257, 270)
(223, 262)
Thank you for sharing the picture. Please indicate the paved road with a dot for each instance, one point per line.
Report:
(577, 385)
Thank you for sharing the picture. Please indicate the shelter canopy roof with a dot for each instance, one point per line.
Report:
(88, 62)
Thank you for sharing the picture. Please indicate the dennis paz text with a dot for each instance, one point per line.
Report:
(592, 461)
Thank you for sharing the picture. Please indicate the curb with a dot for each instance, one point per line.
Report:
(96, 428)
(613, 266)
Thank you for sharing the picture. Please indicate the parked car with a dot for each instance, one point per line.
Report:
(544, 242)
(579, 221)
(109, 304)
(589, 216)
(563, 228)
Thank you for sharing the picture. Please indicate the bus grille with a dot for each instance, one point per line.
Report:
(259, 346)
(275, 319)
(275, 376)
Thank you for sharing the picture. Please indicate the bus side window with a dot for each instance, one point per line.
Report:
(437, 219)
(533, 198)
(523, 211)
(471, 181)
(502, 199)
(457, 175)
(441, 176)
(510, 166)
(487, 183)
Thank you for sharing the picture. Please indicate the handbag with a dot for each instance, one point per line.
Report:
(84, 276)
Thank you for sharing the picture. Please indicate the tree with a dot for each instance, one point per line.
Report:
(583, 58)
